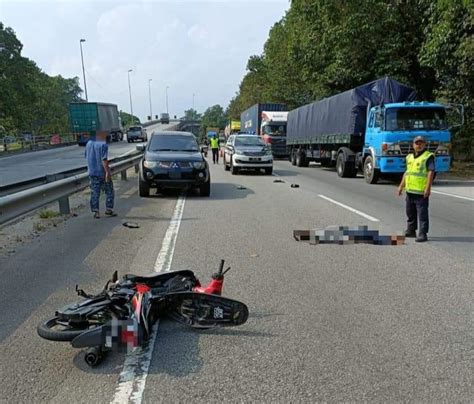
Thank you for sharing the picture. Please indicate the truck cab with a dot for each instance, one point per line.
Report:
(273, 131)
(390, 130)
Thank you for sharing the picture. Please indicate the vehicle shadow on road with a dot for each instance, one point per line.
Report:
(225, 190)
(453, 239)
(176, 351)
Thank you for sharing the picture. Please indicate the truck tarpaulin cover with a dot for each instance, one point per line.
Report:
(345, 113)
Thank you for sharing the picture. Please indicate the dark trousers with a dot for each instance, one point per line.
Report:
(215, 155)
(417, 210)
(97, 185)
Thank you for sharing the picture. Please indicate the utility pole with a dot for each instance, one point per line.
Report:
(149, 95)
(83, 70)
(130, 93)
(193, 100)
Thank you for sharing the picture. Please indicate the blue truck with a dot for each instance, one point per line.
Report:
(262, 120)
(370, 129)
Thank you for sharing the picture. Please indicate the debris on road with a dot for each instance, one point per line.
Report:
(345, 235)
(278, 181)
(294, 186)
(240, 187)
(131, 225)
(254, 255)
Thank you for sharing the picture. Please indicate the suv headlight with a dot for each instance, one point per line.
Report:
(268, 152)
(199, 165)
(239, 153)
(150, 164)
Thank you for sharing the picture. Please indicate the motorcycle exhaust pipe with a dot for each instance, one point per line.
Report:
(93, 356)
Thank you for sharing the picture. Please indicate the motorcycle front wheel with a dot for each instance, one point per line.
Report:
(56, 329)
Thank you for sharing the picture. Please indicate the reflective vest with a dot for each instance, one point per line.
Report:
(416, 176)
(214, 143)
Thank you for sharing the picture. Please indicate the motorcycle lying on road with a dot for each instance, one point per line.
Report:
(123, 313)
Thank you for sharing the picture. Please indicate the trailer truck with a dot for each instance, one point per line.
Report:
(231, 128)
(88, 118)
(368, 128)
(269, 122)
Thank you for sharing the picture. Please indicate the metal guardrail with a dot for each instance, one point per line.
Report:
(22, 202)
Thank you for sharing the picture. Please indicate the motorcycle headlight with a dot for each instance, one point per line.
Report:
(199, 165)
(150, 164)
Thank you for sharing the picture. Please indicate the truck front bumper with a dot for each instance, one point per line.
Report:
(395, 164)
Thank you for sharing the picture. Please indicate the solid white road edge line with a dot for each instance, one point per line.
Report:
(358, 212)
(452, 195)
(132, 379)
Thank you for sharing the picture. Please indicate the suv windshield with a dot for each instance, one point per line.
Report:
(275, 130)
(173, 143)
(248, 141)
(135, 129)
(399, 119)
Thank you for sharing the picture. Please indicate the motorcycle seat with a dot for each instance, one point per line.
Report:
(160, 277)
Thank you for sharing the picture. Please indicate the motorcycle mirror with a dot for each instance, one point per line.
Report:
(115, 276)
(221, 267)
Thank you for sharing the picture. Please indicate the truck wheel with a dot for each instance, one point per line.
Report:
(344, 169)
(143, 188)
(301, 160)
(293, 158)
(371, 174)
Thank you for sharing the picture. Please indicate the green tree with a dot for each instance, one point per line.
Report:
(213, 117)
(191, 114)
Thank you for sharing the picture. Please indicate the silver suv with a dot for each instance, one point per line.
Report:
(247, 152)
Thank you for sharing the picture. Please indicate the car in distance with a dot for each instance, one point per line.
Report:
(173, 160)
(136, 133)
(244, 151)
(165, 118)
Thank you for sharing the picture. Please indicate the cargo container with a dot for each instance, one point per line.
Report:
(88, 118)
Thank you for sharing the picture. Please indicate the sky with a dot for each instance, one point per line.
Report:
(193, 47)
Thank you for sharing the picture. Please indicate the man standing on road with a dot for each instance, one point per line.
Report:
(417, 182)
(99, 174)
(215, 149)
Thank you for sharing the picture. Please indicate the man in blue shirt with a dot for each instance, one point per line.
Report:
(99, 174)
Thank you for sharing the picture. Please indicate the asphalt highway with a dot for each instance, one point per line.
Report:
(327, 322)
(25, 166)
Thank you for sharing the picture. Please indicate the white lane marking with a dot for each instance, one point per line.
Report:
(453, 195)
(358, 212)
(132, 379)
(127, 194)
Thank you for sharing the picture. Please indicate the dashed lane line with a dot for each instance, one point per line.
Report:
(132, 379)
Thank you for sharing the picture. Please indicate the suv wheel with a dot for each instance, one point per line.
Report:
(143, 188)
(205, 189)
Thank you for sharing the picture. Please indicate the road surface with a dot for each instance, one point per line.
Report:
(327, 323)
(25, 166)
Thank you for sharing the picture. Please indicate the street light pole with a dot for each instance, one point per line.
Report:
(167, 109)
(149, 95)
(83, 70)
(130, 93)
(193, 100)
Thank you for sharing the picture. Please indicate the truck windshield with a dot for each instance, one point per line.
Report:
(274, 130)
(398, 119)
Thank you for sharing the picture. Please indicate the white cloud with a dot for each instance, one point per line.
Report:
(197, 47)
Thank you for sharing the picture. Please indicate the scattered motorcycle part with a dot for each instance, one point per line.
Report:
(131, 225)
(294, 186)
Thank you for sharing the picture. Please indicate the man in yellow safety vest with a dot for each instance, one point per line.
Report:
(215, 149)
(417, 182)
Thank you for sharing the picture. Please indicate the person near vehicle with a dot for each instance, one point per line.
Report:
(417, 182)
(99, 174)
(215, 149)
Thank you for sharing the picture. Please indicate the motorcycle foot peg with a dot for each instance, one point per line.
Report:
(93, 356)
